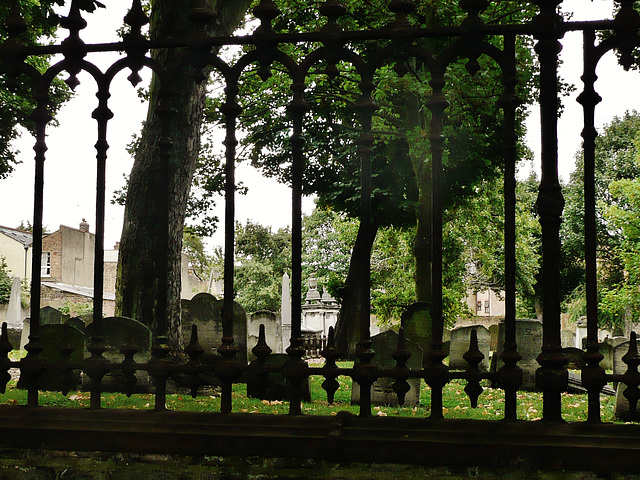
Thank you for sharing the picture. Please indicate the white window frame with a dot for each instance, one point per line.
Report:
(45, 265)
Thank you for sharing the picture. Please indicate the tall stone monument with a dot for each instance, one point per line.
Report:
(285, 311)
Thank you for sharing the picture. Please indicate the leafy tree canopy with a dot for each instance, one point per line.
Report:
(17, 99)
(616, 165)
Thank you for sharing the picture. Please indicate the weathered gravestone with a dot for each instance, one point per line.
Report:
(26, 331)
(52, 316)
(285, 311)
(446, 341)
(77, 323)
(575, 358)
(48, 316)
(581, 332)
(493, 331)
(568, 339)
(384, 344)
(116, 332)
(274, 386)
(619, 351)
(529, 341)
(205, 311)
(416, 323)
(607, 348)
(272, 331)
(622, 409)
(460, 345)
(13, 317)
(54, 339)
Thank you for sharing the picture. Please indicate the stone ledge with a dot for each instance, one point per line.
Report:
(602, 448)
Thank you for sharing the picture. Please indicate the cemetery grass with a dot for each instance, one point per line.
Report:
(455, 401)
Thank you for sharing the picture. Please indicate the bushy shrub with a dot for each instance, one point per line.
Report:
(5, 282)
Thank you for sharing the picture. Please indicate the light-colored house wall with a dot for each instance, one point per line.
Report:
(491, 304)
(14, 254)
(72, 256)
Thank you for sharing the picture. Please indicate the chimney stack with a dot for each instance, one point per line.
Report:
(84, 226)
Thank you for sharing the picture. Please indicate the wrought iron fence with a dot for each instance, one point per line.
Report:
(400, 42)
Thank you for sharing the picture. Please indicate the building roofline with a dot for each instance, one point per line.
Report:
(18, 235)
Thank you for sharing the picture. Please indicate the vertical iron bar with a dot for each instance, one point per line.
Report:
(161, 321)
(593, 374)
(96, 346)
(437, 373)
(228, 350)
(364, 353)
(41, 116)
(511, 375)
(102, 114)
(551, 377)
(296, 350)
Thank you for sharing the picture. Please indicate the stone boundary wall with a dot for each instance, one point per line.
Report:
(22, 464)
(53, 297)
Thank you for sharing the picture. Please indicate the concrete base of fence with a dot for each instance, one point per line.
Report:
(514, 446)
(21, 464)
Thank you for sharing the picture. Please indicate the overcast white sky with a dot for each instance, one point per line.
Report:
(70, 170)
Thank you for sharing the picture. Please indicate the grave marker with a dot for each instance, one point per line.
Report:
(13, 317)
(116, 332)
(272, 332)
(575, 358)
(529, 341)
(493, 330)
(274, 386)
(53, 338)
(416, 322)
(568, 339)
(384, 344)
(460, 344)
(52, 316)
(205, 311)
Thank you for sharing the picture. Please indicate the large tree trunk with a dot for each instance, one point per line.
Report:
(141, 246)
(422, 247)
(348, 328)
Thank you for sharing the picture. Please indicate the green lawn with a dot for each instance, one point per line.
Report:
(456, 402)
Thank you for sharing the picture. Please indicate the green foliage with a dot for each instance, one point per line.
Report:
(622, 300)
(474, 246)
(401, 150)
(474, 148)
(262, 257)
(327, 241)
(6, 282)
(617, 166)
(75, 309)
(193, 247)
(392, 273)
(17, 103)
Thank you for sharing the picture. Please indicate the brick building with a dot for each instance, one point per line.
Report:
(68, 256)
